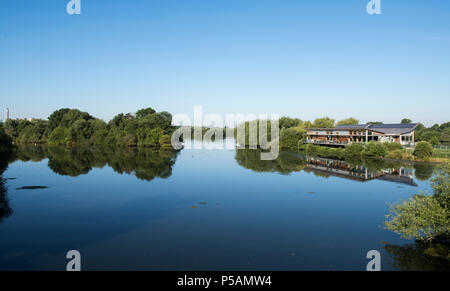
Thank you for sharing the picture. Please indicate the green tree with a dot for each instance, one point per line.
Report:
(423, 150)
(56, 117)
(5, 142)
(144, 112)
(290, 138)
(287, 122)
(354, 150)
(406, 121)
(325, 122)
(424, 217)
(434, 141)
(374, 149)
(348, 121)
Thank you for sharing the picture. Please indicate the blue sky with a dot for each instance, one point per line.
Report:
(303, 59)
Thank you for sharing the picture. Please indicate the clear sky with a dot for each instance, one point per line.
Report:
(304, 59)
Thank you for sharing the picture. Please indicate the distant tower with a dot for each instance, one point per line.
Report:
(7, 113)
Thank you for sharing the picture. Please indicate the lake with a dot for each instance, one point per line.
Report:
(151, 209)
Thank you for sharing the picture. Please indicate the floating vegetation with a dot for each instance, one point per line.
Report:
(32, 187)
(194, 206)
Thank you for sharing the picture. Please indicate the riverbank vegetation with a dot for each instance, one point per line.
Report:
(146, 128)
(426, 217)
(6, 145)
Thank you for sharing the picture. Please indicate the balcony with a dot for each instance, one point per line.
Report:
(327, 142)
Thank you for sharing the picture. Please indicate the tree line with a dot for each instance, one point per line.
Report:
(146, 128)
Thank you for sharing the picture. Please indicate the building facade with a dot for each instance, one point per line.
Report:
(363, 133)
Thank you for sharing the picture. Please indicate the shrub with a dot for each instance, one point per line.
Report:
(396, 155)
(423, 150)
(393, 146)
(312, 149)
(354, 150)
(374, 149)
(289, 139)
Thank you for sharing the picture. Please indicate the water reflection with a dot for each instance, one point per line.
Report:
(419, 257)
(5, 209)
(357, 169)
(145, 163)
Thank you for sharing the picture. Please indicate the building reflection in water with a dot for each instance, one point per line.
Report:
(342, 169)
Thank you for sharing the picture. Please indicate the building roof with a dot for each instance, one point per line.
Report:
(398, 128)
(393, 128)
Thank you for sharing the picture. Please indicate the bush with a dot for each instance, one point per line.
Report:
(374, 149)
(289, 139)
(423, 150)
(312, 149)
(354, 150)
(395, 155)
(393, 146)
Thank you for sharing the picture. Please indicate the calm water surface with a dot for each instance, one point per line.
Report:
(201, 209)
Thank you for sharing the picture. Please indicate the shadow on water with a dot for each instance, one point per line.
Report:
(419, 257)
(145, 163)
(354, 169)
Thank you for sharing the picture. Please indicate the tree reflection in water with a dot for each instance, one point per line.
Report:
(355, 169)
(145, 163)
(5, 209)
(419, 257)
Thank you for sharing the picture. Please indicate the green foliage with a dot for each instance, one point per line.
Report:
(325, 122)
(406, 121)
(286, 162)
(5, 142)
(374, 149)
(395, 155)
(290, 138)
(144, 112)
(56, 117)
(73, 127)
(287, 122)
(348, 121)
(437, 134)
(393, 146)
(423, 150)
(354, 150)
(424, 217)
(58, 136)
(434, 141)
